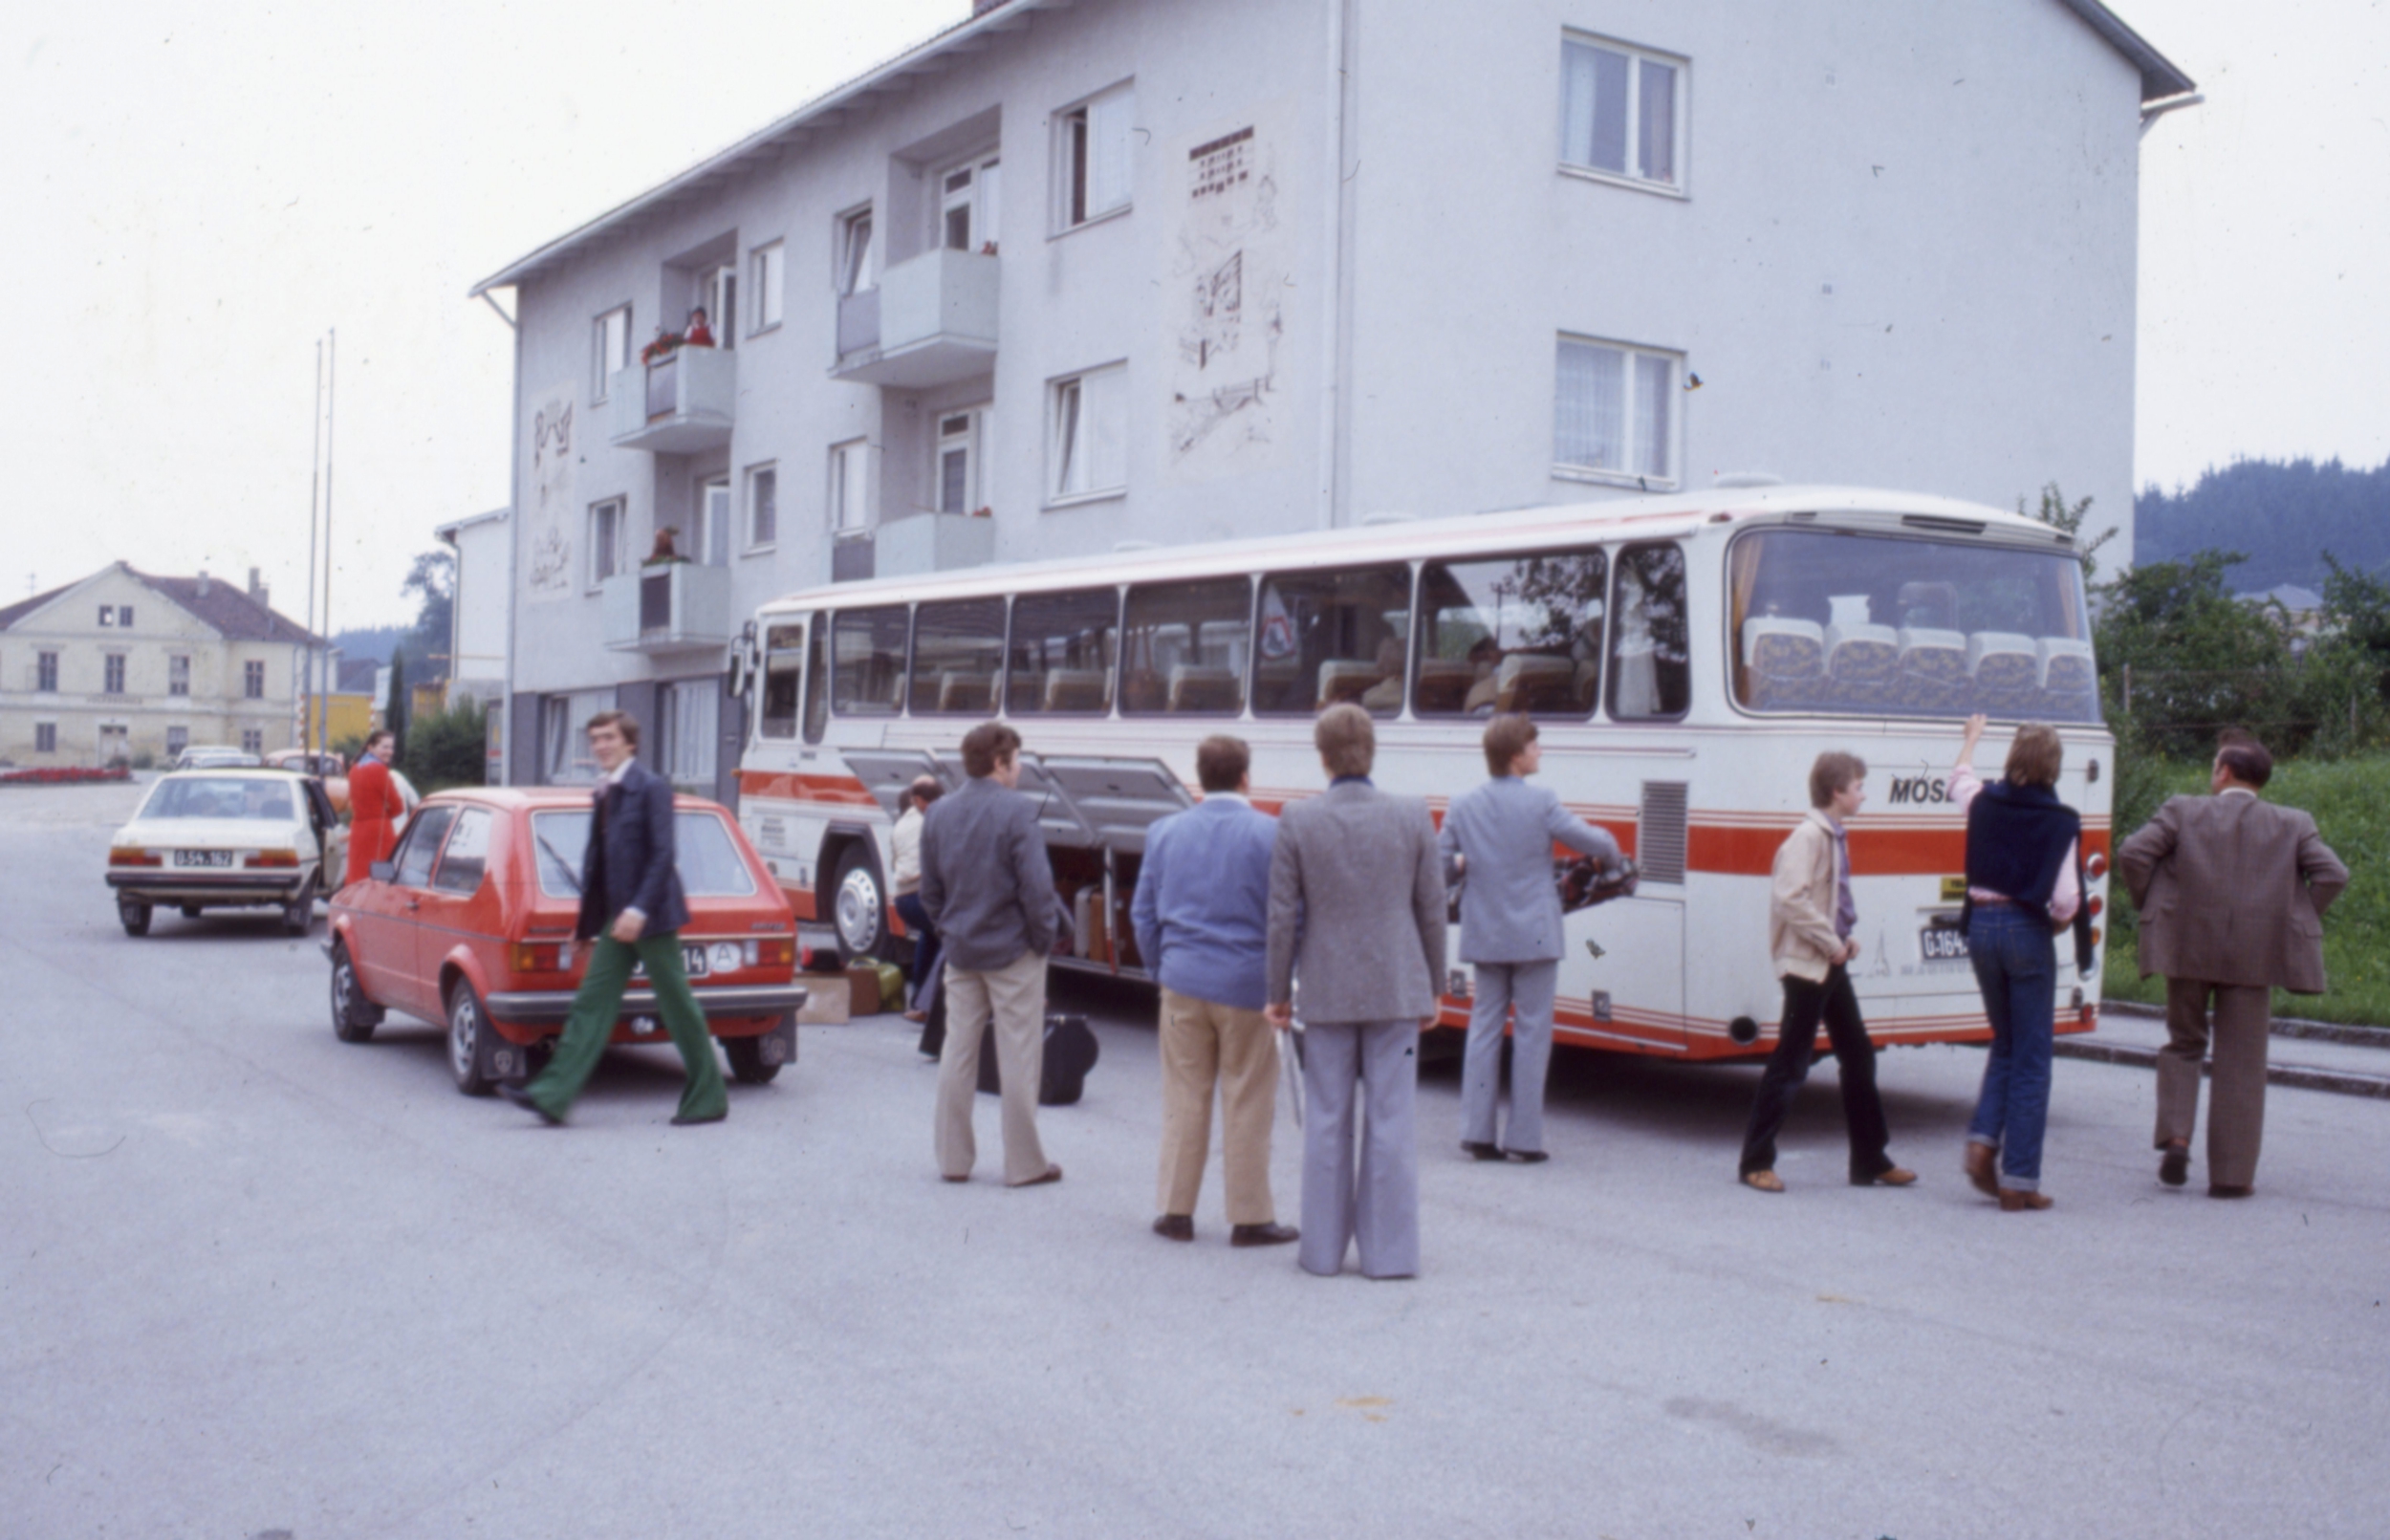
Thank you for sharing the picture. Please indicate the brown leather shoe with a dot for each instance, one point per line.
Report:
(1982, 1162)
(1481, 1152)
(1891, 1175)
(1272, 1234)
(1763, 1181)
(1175, 1226)
(1054, 1173)
(2016, 1200)
(2174, 1167)
(2225, 1189)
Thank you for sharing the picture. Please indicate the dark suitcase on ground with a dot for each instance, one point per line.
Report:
(1070, 1052)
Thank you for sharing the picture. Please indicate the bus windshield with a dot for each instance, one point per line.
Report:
(1884, 625)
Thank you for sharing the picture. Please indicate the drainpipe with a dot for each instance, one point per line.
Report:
(2151, 112)
(1332, 399)
(507, 745)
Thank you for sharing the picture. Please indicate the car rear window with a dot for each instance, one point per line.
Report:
(223, 796)
(707, 852)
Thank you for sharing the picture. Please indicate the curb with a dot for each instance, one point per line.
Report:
(2321, 1032)
(2303, 1076)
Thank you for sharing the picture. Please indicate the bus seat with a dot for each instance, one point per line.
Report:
(2069, 678)
(1785, 658)
(1442, 683)
(966, 690)
(1933, 669)
(1345, 679)
(2007, 669)
(1862, 655)
(1076, 689)
(1194, 687)
(1535, 681)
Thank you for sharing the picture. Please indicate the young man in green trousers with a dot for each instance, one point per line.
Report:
(632, 909)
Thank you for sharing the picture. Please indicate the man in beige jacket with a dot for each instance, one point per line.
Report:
(2232, 891)
(1811, 915)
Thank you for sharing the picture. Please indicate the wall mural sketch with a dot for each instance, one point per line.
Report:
(549, 527)
(1225, 317)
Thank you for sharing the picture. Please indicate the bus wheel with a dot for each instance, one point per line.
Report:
(859, 906)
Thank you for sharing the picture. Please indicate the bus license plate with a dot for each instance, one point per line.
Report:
(1938, 943)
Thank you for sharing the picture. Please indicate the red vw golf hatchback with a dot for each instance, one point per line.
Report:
(470, 924)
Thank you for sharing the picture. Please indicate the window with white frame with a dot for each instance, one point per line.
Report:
(46, 672)
(765, 268)
(711, 546)
(689, 712)
(107, 616)
(850, 487)
(1614, 411)
(955, 464)
(1093, 165)
(1087, 446)
(112, 674)
(1621, 111)
(253, 679)
(45, 737)
(252, 740)
(610, 350)
(969, 201)
(564, 755)
(605, 540)
(763, 507)
(179, 674)
(718, 291)
(857, 268)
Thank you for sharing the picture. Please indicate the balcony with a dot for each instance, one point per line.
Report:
(933, 543)
(686, 402)
(675, 606)
(931, 322)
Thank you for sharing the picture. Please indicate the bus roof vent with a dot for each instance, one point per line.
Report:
(1942, 526)
(1129, 548)
(1748, 478)
(1660, 833)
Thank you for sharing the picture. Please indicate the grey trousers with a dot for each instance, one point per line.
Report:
(1009, 1004)
(1370, 1069)
(1506, 990)
(2236, 1100)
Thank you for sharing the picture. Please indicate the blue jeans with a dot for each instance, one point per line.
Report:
(2016, 966)
(916, 918)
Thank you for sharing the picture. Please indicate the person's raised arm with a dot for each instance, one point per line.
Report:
(1964, 783)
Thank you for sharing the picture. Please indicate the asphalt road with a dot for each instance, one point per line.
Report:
(256, 1281)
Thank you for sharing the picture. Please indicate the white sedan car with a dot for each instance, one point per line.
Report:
(227, 839)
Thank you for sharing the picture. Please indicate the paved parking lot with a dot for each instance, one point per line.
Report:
(257, 1280)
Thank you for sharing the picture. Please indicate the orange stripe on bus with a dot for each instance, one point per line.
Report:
(842, 790)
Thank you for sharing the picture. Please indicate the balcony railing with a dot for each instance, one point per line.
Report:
(934, 543)
(674, 606)
(682, 402)
(931, 322)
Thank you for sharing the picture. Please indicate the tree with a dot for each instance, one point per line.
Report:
(447, 747)
(2056, 512)
(433, 578)
(2197, 660)
(395, 717)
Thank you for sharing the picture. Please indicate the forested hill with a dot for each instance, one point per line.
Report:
(2282, 516)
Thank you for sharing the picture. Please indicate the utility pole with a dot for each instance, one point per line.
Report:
(315, 471)
(331, 381)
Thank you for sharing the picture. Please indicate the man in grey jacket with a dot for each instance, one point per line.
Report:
(1356, 910)
(988, 889)
(1499, 837)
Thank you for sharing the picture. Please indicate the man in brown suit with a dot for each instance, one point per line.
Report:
(2232, 892)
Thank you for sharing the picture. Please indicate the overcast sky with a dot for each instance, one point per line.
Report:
(196, 193)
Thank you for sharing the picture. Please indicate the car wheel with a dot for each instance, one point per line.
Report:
(191, 911)
(354, 1017)
(746, 1061)
(134, 915)
(298, 916)
(859, 905)
(466, 1029)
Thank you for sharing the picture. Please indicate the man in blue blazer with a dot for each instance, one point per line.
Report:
(1496, 843)
(632, 909)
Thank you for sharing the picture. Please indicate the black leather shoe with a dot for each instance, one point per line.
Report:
(1482, 1152)
(1528, 1157)
(684, 1121)
(2226, 1189)
(1175, 1226)
(2174, 1167)
(1263, 1234)
(521, 1096)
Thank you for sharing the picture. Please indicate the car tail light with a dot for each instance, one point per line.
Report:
(135, 858)
(2094, 935)
(771, 951)
(2096, 904)
(275, 858)
(538, 957)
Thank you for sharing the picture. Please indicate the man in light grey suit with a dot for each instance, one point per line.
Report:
(1356, 910)
(1498, 837)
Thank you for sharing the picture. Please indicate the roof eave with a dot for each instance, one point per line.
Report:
(1004, 17)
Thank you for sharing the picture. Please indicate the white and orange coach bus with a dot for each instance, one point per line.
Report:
(1685, 657)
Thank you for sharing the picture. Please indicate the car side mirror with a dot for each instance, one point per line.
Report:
(383, 871)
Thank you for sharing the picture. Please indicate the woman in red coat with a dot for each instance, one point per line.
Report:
(374, 810)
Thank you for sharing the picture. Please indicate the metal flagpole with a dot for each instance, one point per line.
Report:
(315, 492)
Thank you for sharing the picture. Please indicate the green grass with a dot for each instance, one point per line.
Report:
(2350, 799)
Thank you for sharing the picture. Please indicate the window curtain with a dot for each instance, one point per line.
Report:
(1590, 411)
(1109, 120)
(1592, 107)
(1655, 380)
(1655, 128)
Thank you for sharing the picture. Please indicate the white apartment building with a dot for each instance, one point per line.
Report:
(1076, 273)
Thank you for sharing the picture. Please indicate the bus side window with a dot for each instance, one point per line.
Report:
(817, 678)
(1182, 647)
(1650, 675)
(958, 654)
(867, 660)
(1510, 634)
(1063, 647)
(1330, 637)
(784, 664)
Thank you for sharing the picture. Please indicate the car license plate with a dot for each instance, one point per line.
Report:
(203, 858)
(692, 961)
(1939, 944)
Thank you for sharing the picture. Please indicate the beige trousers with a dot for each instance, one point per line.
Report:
(2236, 1108)
(1014, 997)
(1206, 1042)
